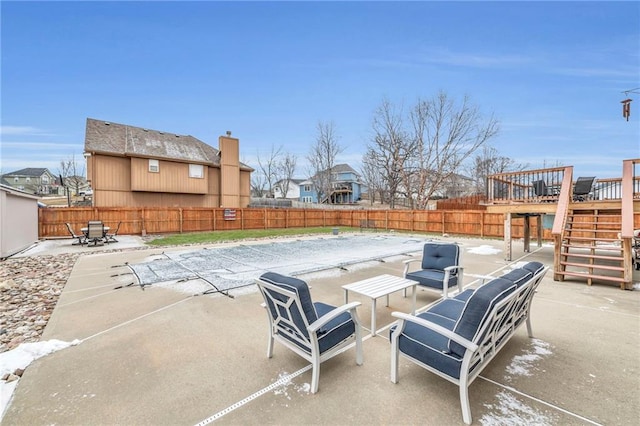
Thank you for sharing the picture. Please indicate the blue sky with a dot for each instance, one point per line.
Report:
(552, 73)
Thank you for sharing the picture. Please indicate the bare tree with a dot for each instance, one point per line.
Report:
(321, 158)
(258, 185)
(285, 169)
(390, 149)
(489, 162)
(421, 160)
(269, 169)
(72, 175)
(372, 177)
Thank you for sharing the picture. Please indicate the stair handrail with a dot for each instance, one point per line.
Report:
(563, 202)
(627, 197)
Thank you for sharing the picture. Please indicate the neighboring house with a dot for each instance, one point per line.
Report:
(456, 186)
(133, 167)
(18, 220)
(346, 187)
(293, 189)
(39, 181)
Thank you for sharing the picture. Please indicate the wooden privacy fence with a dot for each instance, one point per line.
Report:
(178, 220)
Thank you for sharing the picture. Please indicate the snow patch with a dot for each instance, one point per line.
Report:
(20, 358)
(484, 249)
(521, 365)
(510, 411)
(288, 386)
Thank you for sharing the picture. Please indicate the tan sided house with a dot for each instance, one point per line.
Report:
(135, 167)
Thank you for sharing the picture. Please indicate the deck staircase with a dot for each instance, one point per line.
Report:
(590, 247)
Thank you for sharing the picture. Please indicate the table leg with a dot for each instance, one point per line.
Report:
(413, 307)
(387, 300)
(346, 296)
(373, 317)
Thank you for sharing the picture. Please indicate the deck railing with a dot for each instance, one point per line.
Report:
(530, 186)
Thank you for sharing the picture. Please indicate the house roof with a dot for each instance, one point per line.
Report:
(30, 171)
(106, 137)
(343, 168)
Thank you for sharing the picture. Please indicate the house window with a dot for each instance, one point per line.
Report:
(196, 171)
(45, 179)
(154, 166)
(307, 188)
(306, 199)
(28, 179)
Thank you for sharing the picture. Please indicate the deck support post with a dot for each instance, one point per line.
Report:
(507, 237)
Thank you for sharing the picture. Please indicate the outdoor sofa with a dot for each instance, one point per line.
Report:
(457, 337)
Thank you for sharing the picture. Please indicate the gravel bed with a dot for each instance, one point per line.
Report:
(29, 290)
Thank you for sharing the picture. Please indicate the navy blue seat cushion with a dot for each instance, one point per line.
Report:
(477, 310)
(447, 309)
(534, 267)
(428, 346)
(301, 289)
(431, 278)
(336, 330)
(518, 276)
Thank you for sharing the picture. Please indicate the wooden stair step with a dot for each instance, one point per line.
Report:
(592, 276)
(593, 256)
(583, 247)
(610, 240)
(593, 266)
(584, 222)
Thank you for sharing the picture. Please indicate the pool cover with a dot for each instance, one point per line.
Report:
(221, 269)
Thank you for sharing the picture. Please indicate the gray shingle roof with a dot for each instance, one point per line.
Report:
(30, 171)
(120, 139)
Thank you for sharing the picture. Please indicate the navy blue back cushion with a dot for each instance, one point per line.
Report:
(477, 310)
(439, 256)
(533, 267)
(518, 276)
(301, 289)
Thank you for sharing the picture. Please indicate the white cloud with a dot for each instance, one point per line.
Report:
(21, 130)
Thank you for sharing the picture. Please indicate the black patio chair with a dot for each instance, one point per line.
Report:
(82, 239)
(110, 237)
(582, 188)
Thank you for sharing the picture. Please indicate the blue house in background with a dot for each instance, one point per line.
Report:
(346, 187)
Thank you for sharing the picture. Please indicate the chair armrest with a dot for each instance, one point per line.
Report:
(317, 324)
(469, 345)
(406, 265)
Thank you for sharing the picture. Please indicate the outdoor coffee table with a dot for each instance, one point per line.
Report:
(378, 286)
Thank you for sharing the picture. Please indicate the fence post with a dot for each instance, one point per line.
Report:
(180, 218)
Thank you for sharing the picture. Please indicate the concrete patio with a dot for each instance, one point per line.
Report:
(160, 356)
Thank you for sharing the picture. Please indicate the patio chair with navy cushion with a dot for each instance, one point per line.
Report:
(315, 331)
(440, 267)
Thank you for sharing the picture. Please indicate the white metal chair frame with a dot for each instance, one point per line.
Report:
(281, 325)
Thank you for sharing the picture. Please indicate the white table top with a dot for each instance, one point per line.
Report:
(379, 286)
